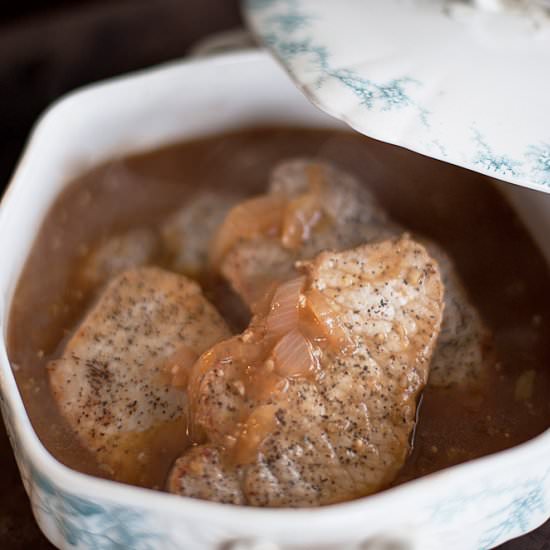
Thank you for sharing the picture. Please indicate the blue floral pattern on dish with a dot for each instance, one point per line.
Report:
(515, 517)
(515, 508)
(287, 27)
(93, 524)
(80, 522)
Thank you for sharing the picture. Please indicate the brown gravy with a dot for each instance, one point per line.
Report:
(501, 267)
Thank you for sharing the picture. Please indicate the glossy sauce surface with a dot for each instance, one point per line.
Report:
(502, 269)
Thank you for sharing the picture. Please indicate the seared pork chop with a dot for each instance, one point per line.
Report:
(346, 215)
(315, 402)
(323, 208)
(464, 348)
(113, 381)
(187, 234)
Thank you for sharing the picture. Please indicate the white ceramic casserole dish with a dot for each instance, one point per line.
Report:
(473, 506)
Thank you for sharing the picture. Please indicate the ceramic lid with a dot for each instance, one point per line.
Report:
(454, 81)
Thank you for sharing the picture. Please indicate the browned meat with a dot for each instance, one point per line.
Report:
(112, 382)
(315, 403)
(207, 476)
(324, 209)
(464, 348)
(349, 216)
(188, 232)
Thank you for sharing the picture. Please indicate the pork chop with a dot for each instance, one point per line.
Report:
(352, 216)
(186, 234)
(315, 402)
(325, 208)
(112, 382)
(116, 254)
(464, 348)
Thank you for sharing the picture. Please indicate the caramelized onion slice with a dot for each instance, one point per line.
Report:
(283, 313)
(329, 321)
(256, 216)
(265, 291)
(301, 215)
(293, 355)
(304, 212)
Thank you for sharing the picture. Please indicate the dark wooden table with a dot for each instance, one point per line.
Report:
(43, 54)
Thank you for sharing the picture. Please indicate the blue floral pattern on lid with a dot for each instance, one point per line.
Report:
(361, 63)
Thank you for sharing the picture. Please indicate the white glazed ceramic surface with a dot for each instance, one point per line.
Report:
(470, 507)
(464, 85)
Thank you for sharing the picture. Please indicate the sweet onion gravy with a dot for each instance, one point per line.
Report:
(505, 274)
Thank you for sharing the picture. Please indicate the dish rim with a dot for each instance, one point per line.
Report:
(89, 486)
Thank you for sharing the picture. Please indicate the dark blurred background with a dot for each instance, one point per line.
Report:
(50, 47)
